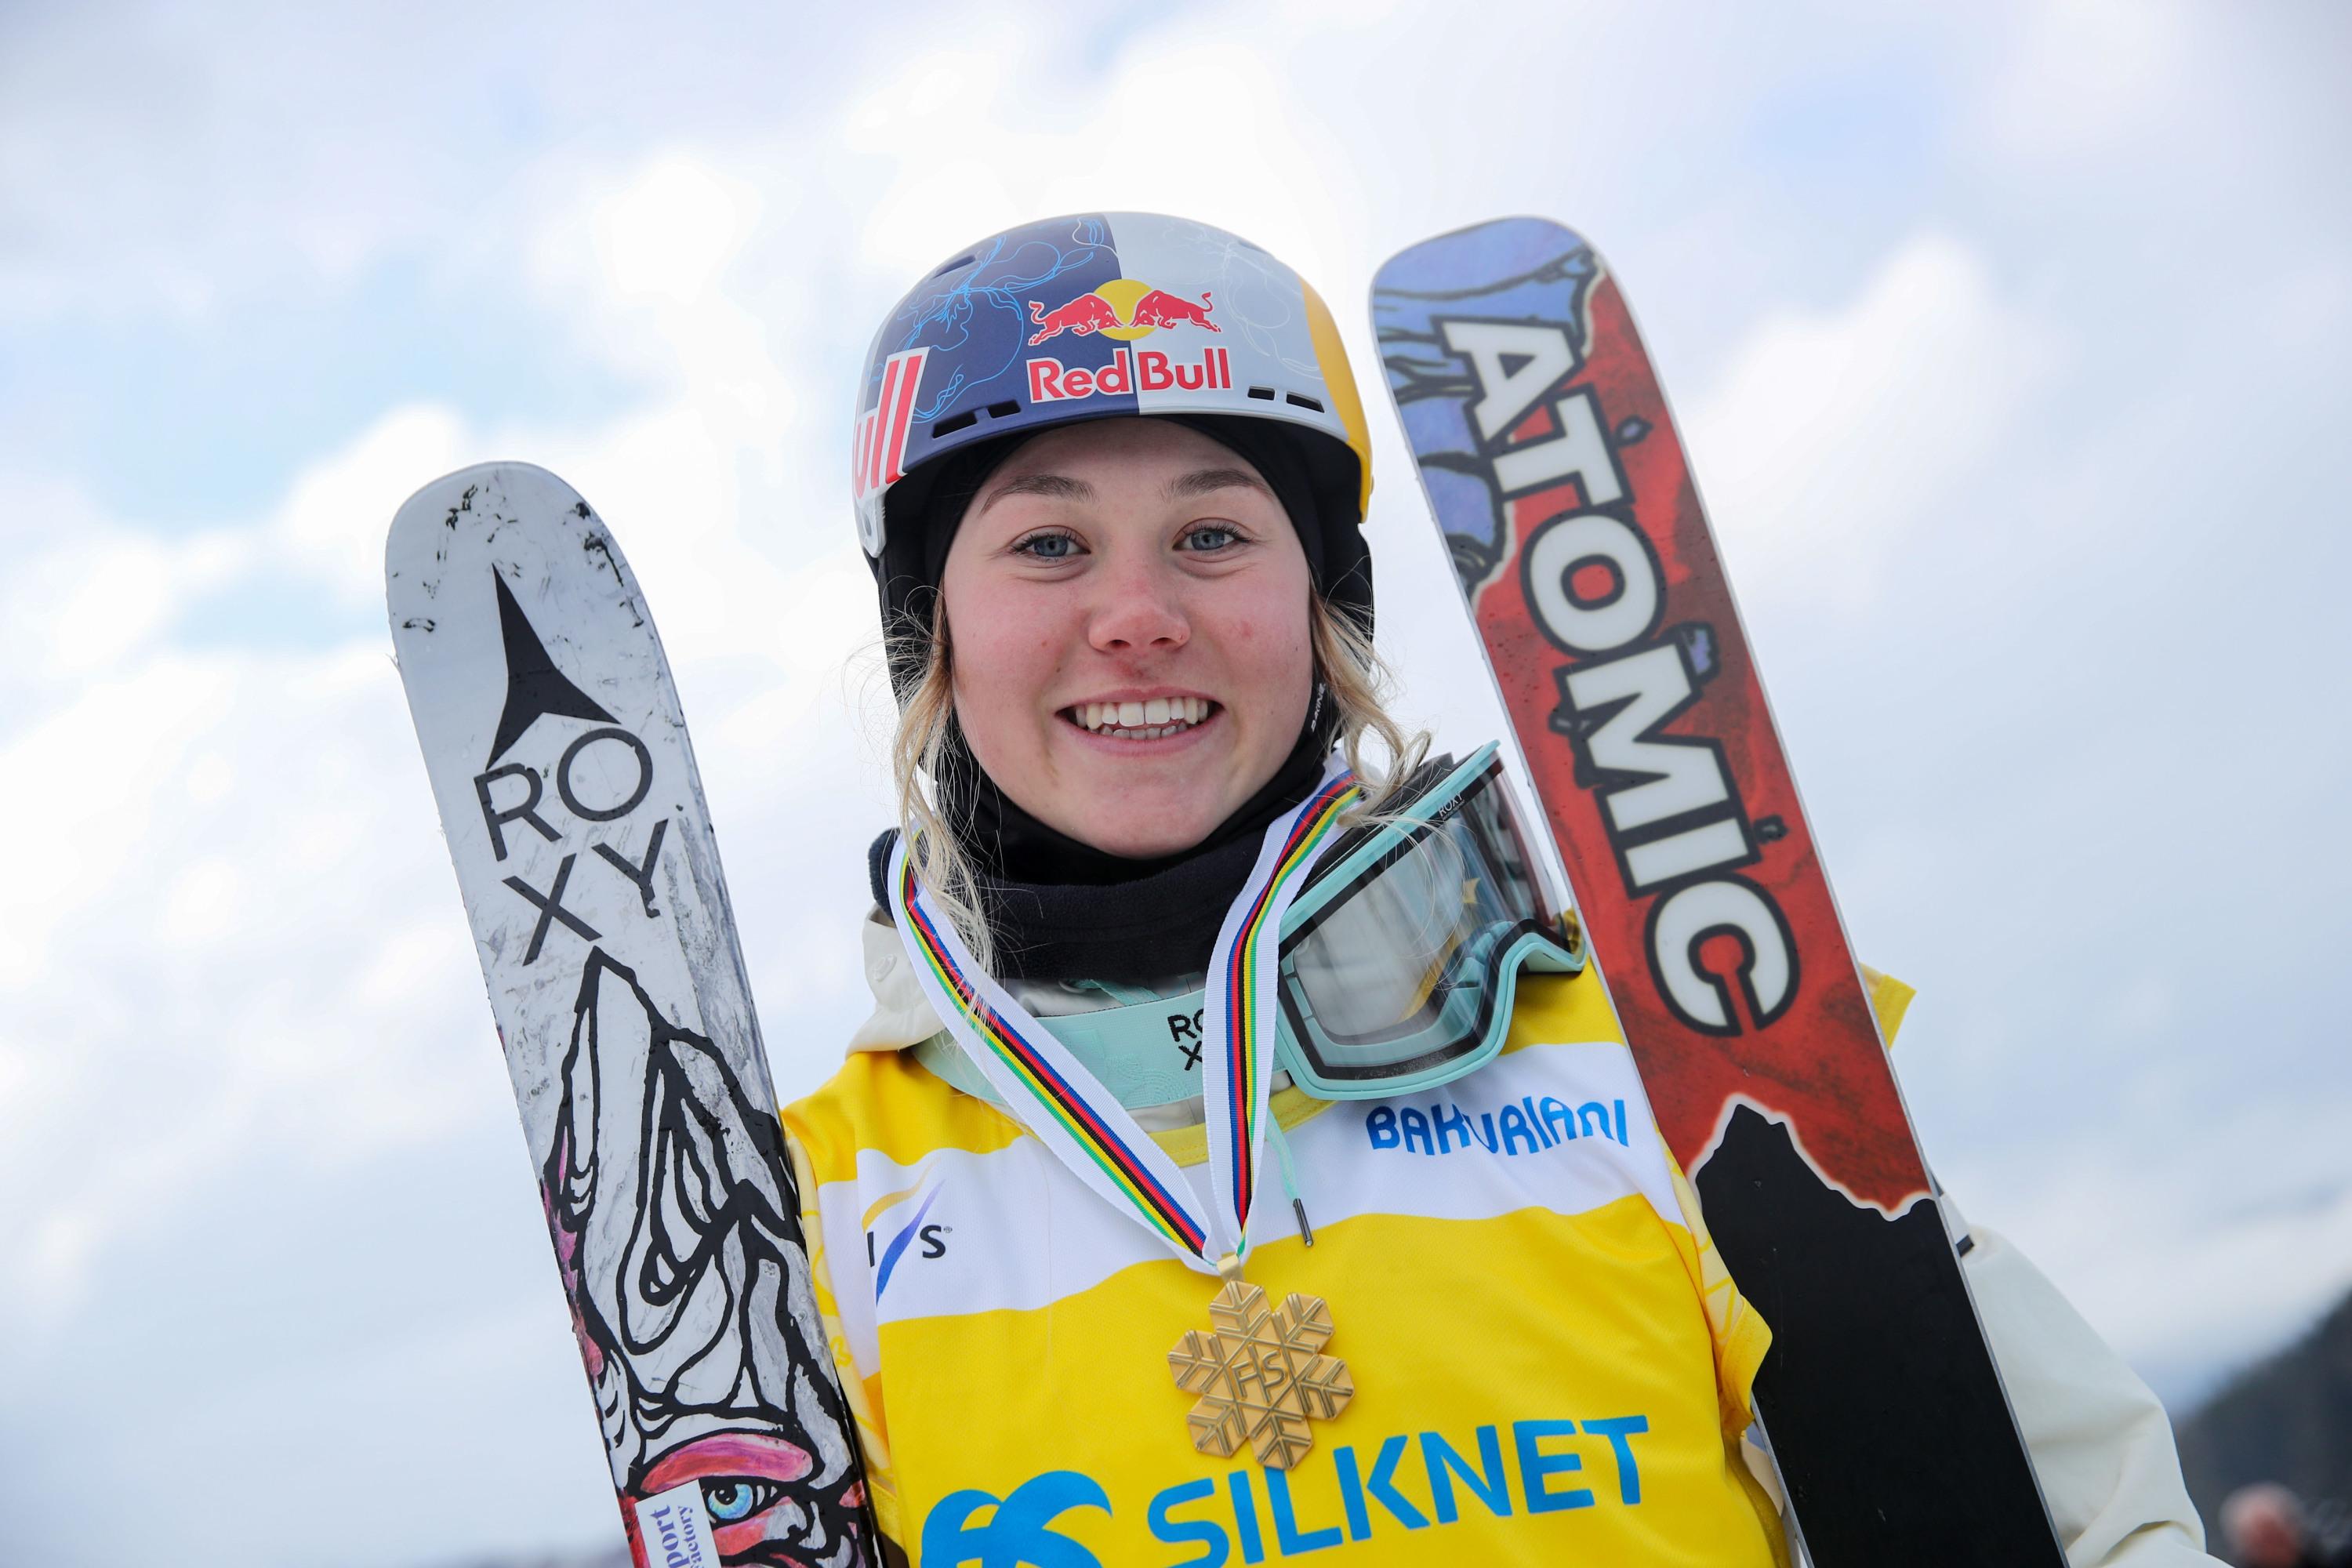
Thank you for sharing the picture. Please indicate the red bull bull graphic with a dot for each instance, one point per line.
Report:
(1147, 370)
(879, 454)
(1123, 308)
(1087, 313)
(1161, 308)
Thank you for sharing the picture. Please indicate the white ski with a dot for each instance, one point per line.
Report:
(569, 797)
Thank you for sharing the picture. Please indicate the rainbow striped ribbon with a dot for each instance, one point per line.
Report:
(1067, 1107)
(1238, 1025)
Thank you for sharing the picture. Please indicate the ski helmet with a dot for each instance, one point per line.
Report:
(1098, 316)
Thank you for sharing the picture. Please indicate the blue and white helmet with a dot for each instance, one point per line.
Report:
(1098, 316)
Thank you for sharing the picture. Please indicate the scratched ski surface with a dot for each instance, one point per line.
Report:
(571, 807)
(1558, 483)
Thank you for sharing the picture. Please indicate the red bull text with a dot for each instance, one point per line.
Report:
(1130, 370)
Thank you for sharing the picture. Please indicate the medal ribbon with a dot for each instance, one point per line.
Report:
(1067, 1107)
(1240, 1018)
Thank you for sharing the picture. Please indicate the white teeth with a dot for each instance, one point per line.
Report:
(1151, 720)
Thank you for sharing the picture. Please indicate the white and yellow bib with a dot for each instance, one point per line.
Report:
(1549, 1362)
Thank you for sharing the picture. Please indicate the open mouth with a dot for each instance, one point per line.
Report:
(1151, 720)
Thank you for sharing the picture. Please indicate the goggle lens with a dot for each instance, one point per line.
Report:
(1400, 968)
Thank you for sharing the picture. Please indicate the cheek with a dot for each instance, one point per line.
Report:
(1002, 660)
(1001, 663)
(1268, 650)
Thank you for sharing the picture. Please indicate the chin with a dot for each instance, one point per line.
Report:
(1143, 840)
(1144, 824)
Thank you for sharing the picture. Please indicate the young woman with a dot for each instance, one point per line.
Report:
(1135, 1246)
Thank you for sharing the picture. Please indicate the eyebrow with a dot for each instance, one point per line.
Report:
(1061, 486)
(1054, 486)
(1202, 481)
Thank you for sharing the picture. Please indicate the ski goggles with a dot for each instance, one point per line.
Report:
(1399, 961)
(1401, 958)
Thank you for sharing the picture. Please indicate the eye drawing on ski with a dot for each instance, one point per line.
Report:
(1399, 1254)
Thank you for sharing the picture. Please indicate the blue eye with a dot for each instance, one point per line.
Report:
(1210, 536)
(729, 1499)
(1047, 546)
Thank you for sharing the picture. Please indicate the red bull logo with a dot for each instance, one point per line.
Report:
(1124, 308)
(1131, 370)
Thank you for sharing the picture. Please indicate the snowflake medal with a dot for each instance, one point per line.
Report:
(1261, 1374)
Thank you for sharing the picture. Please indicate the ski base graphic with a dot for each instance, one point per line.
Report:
(1558, 483)
(574, 817)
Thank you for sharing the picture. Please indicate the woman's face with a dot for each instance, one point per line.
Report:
(1127, 605)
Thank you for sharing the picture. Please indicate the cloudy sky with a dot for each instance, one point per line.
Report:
(2009, 343)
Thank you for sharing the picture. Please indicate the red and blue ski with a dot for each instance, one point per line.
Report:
(1560, 485)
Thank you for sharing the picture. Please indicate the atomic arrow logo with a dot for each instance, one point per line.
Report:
(534, 686)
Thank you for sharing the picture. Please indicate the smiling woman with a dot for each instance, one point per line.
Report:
(1111, 473)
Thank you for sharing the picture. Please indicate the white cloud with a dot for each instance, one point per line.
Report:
(83, 593)
(670, 233)
(331, 525)
(2087, 77)
(185, 974)
(1833, 433)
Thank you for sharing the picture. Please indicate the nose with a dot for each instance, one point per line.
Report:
(1139, 610)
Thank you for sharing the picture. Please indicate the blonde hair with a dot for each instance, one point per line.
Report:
(1355, 679)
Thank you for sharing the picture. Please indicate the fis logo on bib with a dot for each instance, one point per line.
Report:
(894, 1232)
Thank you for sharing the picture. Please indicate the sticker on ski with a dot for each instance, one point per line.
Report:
(573, 813)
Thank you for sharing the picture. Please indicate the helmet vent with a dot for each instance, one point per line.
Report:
(1005, 410)
(1302, 402)
(959, 261)
(955, 421)
(1263, 393)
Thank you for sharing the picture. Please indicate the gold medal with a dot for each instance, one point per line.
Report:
(1261, 1374)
